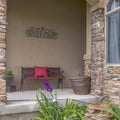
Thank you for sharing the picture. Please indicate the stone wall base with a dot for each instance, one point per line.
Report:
(3, 96)
(3, 24)
(21, 116)
(112, 89)
(94, 112)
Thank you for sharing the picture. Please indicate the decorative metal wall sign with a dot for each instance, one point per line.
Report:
(41, 32)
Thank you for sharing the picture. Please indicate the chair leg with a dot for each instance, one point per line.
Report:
(60, 82)
(21, 85)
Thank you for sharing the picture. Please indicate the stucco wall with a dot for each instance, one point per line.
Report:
(88, 30)
(66, 17)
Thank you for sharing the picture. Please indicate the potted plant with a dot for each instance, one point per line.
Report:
(8, 73)
(81, 85)
(8, 76)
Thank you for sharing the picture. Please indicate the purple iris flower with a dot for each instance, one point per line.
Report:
(47, 86)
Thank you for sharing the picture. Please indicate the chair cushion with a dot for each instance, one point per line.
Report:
(40, 72)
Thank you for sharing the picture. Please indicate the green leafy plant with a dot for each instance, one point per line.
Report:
(48, 109)
(51, 110)
(114, 110)
(8, 73)
(72, 111)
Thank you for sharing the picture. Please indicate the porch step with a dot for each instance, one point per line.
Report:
(25, 102)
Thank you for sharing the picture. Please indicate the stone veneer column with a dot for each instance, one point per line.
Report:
(105, 77)
(97, 52)
(87, 70)
(3, 23)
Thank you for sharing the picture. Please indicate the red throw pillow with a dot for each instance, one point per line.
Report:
(40, 72)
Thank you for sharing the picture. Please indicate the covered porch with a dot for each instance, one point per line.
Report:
(71, 44)
(78, 49)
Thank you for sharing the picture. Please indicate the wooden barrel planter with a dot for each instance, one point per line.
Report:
(81, 85)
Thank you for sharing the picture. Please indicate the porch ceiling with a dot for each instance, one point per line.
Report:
(92, 2)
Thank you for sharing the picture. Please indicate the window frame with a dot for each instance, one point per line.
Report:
(107, 14)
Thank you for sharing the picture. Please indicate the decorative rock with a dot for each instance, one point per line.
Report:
(3, 27)
(3, 99)
(2, 53)
(2, 56)
(2, 87)
(116, 70)
(2, 40)
(87, 67)
(3, 3)
(2, 30)
(2, 60)
(2, 70)
(2, 64)
(2, 15)
(2, 35)
(2, 45)
(3, 22)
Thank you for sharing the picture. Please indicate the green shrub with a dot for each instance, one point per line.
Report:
(72, 111)
(51, 110)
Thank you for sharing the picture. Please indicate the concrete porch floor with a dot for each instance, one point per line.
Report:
(61, 94)
(25, 102)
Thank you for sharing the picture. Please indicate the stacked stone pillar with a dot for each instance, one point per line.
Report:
(3, 23)
(105, 78)
(87, 65)
(97, 52)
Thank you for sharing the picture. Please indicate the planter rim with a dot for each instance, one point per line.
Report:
(9, 76)
(72, 78)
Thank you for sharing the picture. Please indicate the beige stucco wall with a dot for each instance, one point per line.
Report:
(66, 17)
(88, 30)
